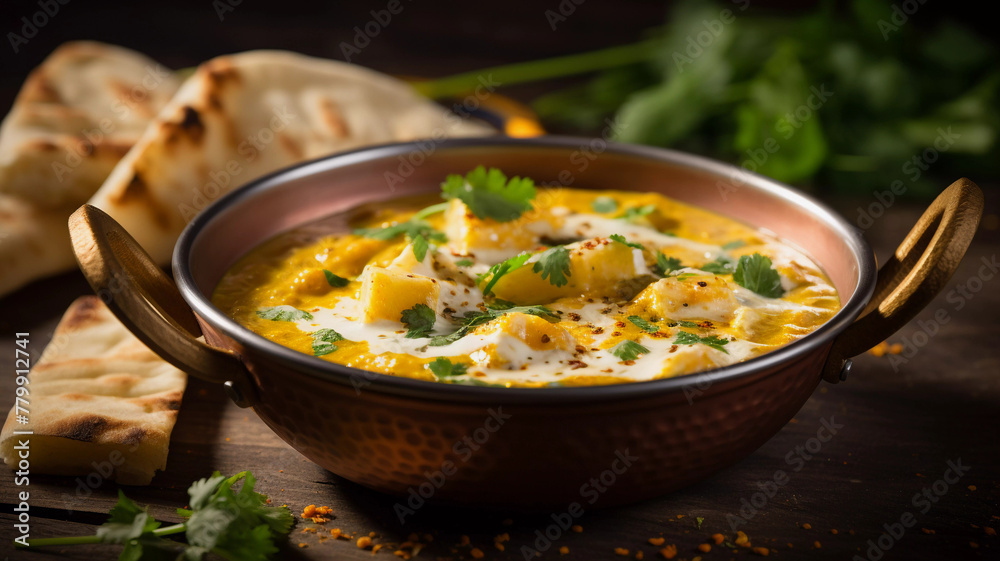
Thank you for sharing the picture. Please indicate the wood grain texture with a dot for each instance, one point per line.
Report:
(901, 425)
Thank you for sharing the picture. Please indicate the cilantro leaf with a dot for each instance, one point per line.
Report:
(489, 194)
(464, 263)
(604, 205)
(443, 368)
(632, 213)
(323, 341)
(628, 350)
(420, 247)
(493, 311)
(734, 245)
(688, 338)
(721, 266)
(127, 522)
(283, 313)
(502, 268)
(666, 265)
(618, 238)
(419, 321)
(554, 265)
(754, 272)
(334, 280)
(411, 228)
(643, 324)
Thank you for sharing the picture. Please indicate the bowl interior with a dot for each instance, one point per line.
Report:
(243, 219)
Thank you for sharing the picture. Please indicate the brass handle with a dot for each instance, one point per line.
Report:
(148, 303)
(918, 270)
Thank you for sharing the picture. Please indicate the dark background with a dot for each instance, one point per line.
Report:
(901, 424)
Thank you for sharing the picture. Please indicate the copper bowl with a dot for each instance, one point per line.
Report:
(535, 448)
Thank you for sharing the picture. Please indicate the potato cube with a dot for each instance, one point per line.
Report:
(598, 267)
(385, 293)
(491, 241)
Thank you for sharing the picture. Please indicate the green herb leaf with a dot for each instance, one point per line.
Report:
(604, 205)
(489, 194)
(754, 272)
(688, 338)
(334, 280)
(643, 324)
(699, 520)
(493, 311)
(420, 246)
(127, 522)
(621, 239)
(734, 245)
(628, 350)
(721, 266)
(464, 263)
(411, 228)
(632, 213)
(283, 313)
(501, 269)
(666, 265)
(554, 265)
(323, 341)
(443, 368)
(419, 321)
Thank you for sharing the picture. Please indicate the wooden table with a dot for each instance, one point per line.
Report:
(900, 429)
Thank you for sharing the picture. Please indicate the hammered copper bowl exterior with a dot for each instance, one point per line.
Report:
(524, 448)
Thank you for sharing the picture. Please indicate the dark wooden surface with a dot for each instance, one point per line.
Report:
(900, 425)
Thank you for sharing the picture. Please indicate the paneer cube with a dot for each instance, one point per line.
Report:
(693, 297)
(598, 267)
(491, 241)
(386, 292)
(512, 332)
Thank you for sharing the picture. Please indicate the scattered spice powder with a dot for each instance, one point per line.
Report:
(621, 551)
(656, 541)
(669, 552)
(638, 555)
(564, 550)
(833, 531)
(476, 553)
(718, 538)
(762, 551)
(972, 487)
(927, 531)
(576, 528)
(704, 548)
(742, 539)
(364, 542)
(807, 526)
(989, 531)
(817, 545)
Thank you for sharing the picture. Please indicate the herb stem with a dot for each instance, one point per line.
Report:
(433, 209)
(535, 70)
(84, 540)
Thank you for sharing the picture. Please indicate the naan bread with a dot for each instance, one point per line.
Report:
(75, 117)
(99, 401)
(77, 114)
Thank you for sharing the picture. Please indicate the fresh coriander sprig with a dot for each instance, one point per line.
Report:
(222, 521)
(419, 321)
(554, 264)
(754, 272)
(618, 238)
(500, 269)
(489, 194)
(666, 265)
(283, 313)
(628, 350)
(688, 338)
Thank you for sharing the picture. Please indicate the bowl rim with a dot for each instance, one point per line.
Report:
(203, 307)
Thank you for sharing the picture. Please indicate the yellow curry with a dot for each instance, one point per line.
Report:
(511, 285)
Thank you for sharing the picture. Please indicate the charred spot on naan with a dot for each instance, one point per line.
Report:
(84, 312)
(138, 192)
(334, 119)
